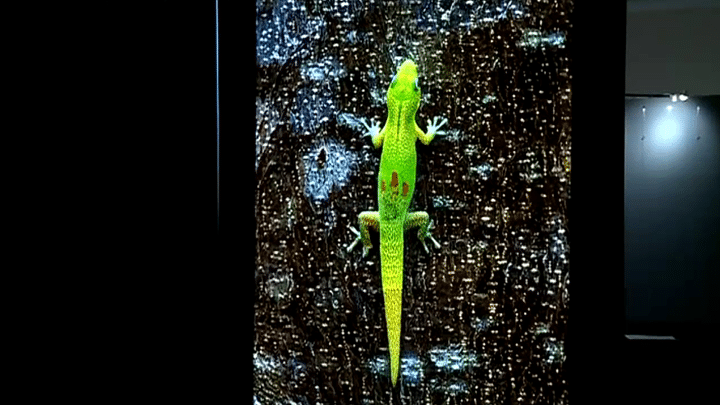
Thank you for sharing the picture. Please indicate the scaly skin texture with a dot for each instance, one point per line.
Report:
(396, 184)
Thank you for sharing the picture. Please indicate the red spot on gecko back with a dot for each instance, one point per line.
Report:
(394, 182)
(406, 188)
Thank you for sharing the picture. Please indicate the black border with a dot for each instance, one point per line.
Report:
(595, 328)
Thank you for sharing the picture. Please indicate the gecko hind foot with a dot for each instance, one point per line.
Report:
(355, 242)
(428, 235)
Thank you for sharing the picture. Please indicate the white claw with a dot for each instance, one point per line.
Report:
(352, 245)
(428, 235)
(437, 245)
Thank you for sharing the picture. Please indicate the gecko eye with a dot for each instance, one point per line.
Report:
(417, 87)
(394, 80)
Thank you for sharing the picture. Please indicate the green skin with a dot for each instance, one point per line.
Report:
(396, 184)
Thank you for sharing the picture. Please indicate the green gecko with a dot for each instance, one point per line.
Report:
(396, 183)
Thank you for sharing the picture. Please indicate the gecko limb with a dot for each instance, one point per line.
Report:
(421, 220)
(366, 220)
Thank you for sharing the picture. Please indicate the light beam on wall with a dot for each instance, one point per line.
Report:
(666, 133)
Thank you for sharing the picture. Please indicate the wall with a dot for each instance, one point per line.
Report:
(670, 47)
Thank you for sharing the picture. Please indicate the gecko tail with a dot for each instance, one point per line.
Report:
(393, 311)
(391, 263)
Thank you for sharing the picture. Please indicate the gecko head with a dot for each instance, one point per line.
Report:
(404, 86)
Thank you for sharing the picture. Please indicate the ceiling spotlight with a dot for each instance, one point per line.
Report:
(683, 97)
(674, 98)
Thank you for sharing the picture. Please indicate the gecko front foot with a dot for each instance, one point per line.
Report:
(372, 130)
(434, 127)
